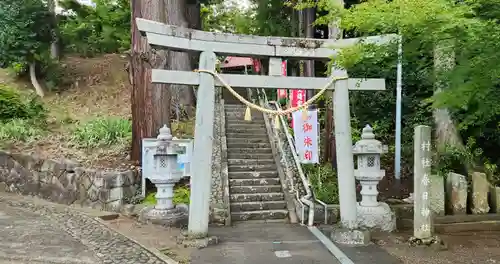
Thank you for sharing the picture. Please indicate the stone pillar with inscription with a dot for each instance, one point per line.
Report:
(423, 230)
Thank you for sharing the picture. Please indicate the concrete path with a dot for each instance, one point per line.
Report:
(37, 232)
(269, 243)
(29, 238)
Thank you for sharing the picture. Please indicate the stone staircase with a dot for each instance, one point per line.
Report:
(254, 185)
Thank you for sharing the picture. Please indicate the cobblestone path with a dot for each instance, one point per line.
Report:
(53, 234)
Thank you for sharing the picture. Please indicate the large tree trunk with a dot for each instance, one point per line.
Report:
(182, 95)
(310, 16)
(150, 102)
(193, 15)
(446, 132)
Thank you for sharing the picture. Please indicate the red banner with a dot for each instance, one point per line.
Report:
(297, 97)
(282, 93)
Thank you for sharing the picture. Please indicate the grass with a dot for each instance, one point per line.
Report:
(103, 131)
(21, 130)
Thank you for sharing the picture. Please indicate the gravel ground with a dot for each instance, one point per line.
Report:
(466, 247)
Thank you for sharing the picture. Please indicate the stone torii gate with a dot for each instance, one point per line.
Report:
(175, 38)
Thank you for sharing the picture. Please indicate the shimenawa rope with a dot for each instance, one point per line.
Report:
(276, 113)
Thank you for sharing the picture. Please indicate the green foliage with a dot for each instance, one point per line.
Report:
(22, 116)
(17, 130)
(273, 18)
(103, 132)
(465, 160)
(150, 199)
(219, 17)
(17, 105)
(323, 180)
(52, 73)
(91, 31)
(25, 31)
(472, 92)
(181, 196)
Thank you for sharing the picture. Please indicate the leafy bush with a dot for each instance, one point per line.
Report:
(323, 180)
(470, 158)
(91, 31)
(103, 132)
(20, 130)
(52, 72)
(181, 196)
(15, 105)
(25, 32)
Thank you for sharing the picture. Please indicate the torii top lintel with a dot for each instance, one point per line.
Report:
(184, 39)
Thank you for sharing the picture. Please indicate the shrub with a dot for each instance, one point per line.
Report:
(20, 130)
(103, 132)
(181, 196)
(15, 105)
(25, 32)
(323, 180)
(91, 31)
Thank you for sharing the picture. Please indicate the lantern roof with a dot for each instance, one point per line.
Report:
(368, 144)
(164, 133)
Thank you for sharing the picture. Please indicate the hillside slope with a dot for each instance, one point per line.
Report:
(97, 88)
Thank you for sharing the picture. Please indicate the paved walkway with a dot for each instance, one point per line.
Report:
(269, 243)
(29, 238)
(44, 233)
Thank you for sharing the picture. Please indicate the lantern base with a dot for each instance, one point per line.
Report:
(177, 216)
(378, 217)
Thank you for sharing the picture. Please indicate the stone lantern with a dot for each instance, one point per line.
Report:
(371, 212)
(166, 175)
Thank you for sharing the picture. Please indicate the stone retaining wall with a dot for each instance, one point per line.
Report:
(66, 182)
(218, 209)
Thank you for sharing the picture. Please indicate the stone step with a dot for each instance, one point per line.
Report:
(250, 168)
(246, 130)
(254, 181)
(252, 174)
(256, 206)
(246, 125)
(255, 189)
(242, 111)
(259, 215)
(233, 122)
(260, 135)
(247, 145)
(231, 119)
(255, 197)
(235, 108)
(240, 105)
(266, 150)
(250, 161)
(243, 155)
(251, 140)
